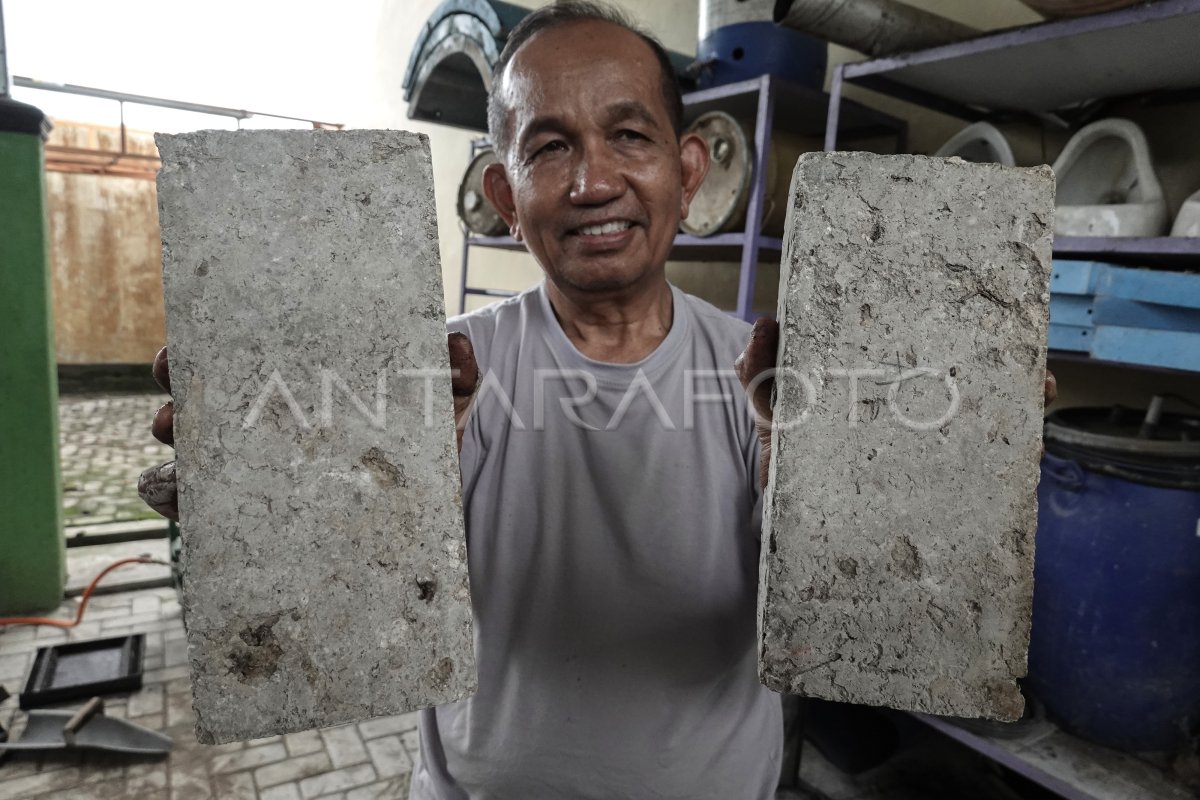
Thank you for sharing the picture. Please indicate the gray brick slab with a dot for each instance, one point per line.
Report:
(337, 781)
(900, 516)
(323, 545)
(293, 769)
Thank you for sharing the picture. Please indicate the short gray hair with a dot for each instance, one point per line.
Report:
(562, 13)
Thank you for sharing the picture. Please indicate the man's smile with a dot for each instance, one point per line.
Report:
(597, 229)
(603, 235)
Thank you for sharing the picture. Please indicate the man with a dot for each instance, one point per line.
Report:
(611, 528)
(611, 465)
(609, 458)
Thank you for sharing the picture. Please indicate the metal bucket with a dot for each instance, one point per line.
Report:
(474, 209)
(720, 204)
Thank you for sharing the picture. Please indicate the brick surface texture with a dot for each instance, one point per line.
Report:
(323, 546)
(901, 509)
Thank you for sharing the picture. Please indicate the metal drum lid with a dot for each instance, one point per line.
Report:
(474, 209)
(1121, 442)
(721, 199)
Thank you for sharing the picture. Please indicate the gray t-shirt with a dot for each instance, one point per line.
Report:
(613, 550)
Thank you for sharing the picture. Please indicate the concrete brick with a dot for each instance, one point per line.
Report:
(59, 781)
(293, 769)
(264, 740)
(412, 743)
(147, 604)
(382, 726)
(344, 746)
(287, 791)
(337, 781)
(149, 700)
(131, 622)
(179, 709)
(250, 757)
(322, 536)
(392, 789)
(147, 781)
(901, 511)
(13, 668)
(389, 756)
(189, 780)
(303, 743)
(237, 786)
(166, 674)
(154, 722)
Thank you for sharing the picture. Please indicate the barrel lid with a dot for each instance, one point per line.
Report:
(723, 194)
(474, 209)
(1116, 440)
(18, 117)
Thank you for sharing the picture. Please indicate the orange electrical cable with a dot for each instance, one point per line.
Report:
(87, 594)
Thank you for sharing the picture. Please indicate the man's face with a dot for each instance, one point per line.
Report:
(596, 180)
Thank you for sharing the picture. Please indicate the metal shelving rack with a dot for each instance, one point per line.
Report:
(772, 103)
(1061, 73)
(1071, 768)
(1058, 73)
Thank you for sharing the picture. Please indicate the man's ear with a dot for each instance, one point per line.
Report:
(499, 193)
(693, 157)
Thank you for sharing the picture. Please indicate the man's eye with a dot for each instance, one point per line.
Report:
(628, 133)
(548, 147)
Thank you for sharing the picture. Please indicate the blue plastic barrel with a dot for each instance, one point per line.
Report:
(1115, 644)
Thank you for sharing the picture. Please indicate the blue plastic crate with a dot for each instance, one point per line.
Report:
(1136, 316)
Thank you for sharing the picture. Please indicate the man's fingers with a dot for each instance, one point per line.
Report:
(161, 371)
(157, 488)
(1051, 388)
(464, 379)
(465, 372)
(758, 357)
(163, 426)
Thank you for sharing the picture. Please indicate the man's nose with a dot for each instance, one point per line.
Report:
(598, 177)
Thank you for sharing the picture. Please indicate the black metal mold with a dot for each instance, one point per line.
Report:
(74, 670)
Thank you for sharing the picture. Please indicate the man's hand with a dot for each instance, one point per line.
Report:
(157, 486)
(752, 368)
(464, 380)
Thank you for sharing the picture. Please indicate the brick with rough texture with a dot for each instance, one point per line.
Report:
(323, 546)
(901, 511)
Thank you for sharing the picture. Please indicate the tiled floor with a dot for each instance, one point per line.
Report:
(105, 443)
(368, 761)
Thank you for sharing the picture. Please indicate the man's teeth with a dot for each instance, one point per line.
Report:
(608, 227)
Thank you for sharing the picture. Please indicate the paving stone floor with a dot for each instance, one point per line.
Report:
(105, 443)
(368, 761)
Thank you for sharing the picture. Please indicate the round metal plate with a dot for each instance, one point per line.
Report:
(720, 203)
(474, 210)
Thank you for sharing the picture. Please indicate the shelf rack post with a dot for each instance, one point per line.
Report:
(764, 118)
(835, 107)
